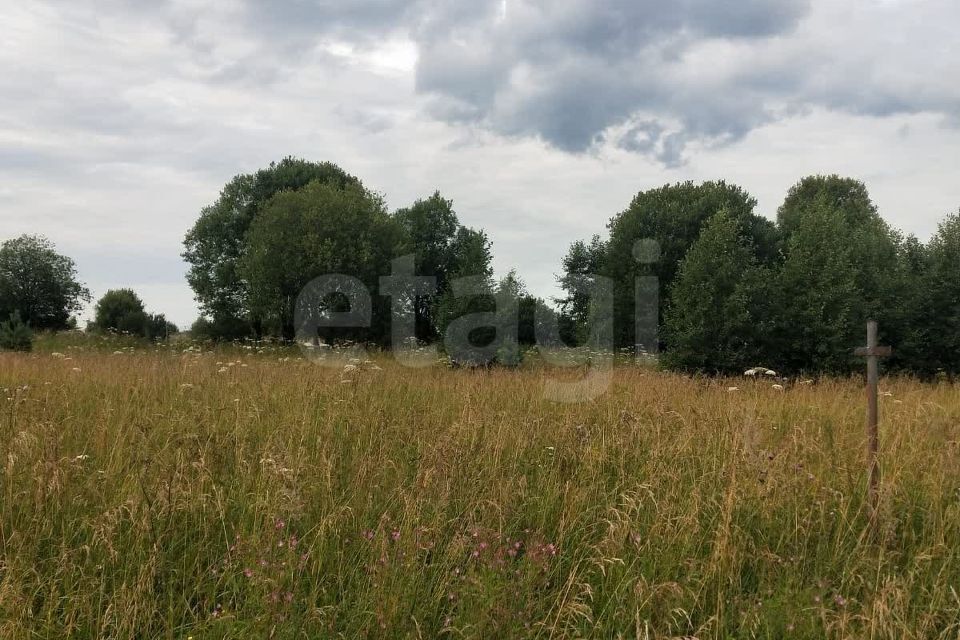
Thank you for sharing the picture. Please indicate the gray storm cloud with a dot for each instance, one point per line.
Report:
(646, 76)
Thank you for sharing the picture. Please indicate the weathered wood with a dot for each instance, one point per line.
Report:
(873, 352)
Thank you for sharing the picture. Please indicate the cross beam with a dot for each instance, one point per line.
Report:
(873, 352)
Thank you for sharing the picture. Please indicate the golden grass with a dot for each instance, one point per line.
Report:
(235, 494)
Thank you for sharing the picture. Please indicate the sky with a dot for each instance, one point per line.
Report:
(540, 119)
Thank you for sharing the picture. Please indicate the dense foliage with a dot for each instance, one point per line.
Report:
(693, 271)
(122, 311)
(737, 290)
(217, 244)
(38, 283)
(15, 335)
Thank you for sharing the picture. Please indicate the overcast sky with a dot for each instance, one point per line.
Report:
(539, 118)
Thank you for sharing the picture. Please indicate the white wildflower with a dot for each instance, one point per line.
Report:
(759, 371)
(778, 387)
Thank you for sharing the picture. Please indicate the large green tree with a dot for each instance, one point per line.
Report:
(430, 228)
(671, 218)
(847, 196)
(718, 315)
(820, 310)
(872, 244)
(582, 264)
(39, 283)
(935, 347)
(473, 259)
(122, 311)
(318, 230)
(216, 245)
(843, 266)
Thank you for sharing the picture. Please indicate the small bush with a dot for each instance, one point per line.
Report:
(15, 335)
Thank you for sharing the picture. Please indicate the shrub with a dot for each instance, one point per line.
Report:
(15, 335)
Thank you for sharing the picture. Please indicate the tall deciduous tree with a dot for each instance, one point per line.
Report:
(472, 259)
(866, 262)
(216, 245)
(39, 283)
(318, 230)
(582, 264)
(718, 313)
(430, 229)
(122, 310)
(937, 347)
(821, 309)
(673, 216)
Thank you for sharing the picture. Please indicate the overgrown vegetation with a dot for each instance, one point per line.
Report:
(15, 335)
(246, 492)
(39, 284)
(121, 311)
(736, 288)
(731, 288)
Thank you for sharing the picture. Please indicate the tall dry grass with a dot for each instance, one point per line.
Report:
(235, 494)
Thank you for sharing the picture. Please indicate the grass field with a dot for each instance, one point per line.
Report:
(154, 493)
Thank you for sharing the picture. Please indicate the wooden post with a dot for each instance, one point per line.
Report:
(872, 352)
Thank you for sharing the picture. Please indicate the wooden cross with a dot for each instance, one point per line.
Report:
(872, 352)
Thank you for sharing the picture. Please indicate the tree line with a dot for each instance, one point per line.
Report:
(733, 288)
(270, 233)
(738, 290)
(40, 290)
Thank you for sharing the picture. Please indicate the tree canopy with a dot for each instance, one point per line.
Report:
(731, 287)
(935, 345)
(672, 216)
(39, 284)
(217, 244)
(719, 308)
(320, 229)
(441, 248)
(724, 287)
(122, 311)
(736, 288)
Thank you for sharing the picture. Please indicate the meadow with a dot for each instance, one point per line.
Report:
(245, 492)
